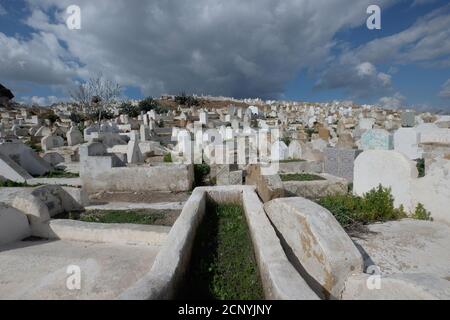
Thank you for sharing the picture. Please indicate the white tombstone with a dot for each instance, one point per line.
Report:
(319, 144)
(152, 115)
(279, 151)
(389, 168)
(406, 141)
(295, 149)
(144, 132)
(51, 142)
(43, 131)
(134, 154)
(74, 136)
(366, 123)
(203, 116)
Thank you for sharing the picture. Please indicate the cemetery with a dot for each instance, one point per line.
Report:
(312, 200)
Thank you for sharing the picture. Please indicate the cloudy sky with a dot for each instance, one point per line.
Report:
(313, 50)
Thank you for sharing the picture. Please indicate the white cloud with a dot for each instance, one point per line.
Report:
(236, 48)
(394, 102)
(427, 41)
(445, 90)
(39, 101)
(359, 80)
(40, 59)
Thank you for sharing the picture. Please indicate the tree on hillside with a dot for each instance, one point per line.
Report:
(96, 94)
(130, 110)
(186, 100)
(148, 104)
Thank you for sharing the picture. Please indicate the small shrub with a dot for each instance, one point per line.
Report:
(378, 205)
(168, 157)
(345, 209)
(420, 213)
(352, 211)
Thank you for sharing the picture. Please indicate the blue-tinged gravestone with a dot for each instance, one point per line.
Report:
(377, 139)
(339, 162)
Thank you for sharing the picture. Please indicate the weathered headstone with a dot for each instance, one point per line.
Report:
(74, 136)
(345, 141)
(389, 168)
(324, 133)
(279, 151)
(408, 119)
(406, 141)
(134, 154)
(295, 149)
(50, 142)
(376, 139)
(339, 162)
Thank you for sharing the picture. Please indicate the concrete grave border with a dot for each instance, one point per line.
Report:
(279, 278)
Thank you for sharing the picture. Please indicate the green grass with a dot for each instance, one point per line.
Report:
(116, 216)
(223, 265)
(168, 157)
(292, 160)
(12, 184)
(59, 173)
(300, 177)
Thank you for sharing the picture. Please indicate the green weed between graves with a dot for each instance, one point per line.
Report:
(13, 184)
(300, 177)
(377, 205)
(292, 160)
(420, 213)
(59, 173)
(223, 265)
(167, 157)
(115, 216)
